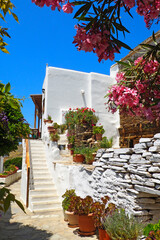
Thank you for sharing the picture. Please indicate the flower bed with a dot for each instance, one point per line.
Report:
(11, 178)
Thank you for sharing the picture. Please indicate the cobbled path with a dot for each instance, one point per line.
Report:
(16, 225)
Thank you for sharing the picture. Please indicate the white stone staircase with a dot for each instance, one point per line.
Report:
(43, 199)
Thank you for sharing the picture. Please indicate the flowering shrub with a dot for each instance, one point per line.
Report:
(137, 90)
(80, 116)
(101, 22)
(12, 124)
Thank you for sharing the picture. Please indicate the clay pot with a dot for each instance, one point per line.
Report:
(86, 225)
(51, 129)
(72, 152)
(103, 235)
(48, 121)
(78, 158)
(72, 219)
(70, 146)
(65, 216)
(98, 136)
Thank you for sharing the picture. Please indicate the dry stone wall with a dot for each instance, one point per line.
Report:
(130, 177)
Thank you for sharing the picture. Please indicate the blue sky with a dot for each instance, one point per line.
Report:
(45, 36)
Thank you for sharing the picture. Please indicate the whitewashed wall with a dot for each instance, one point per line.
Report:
(66, 89)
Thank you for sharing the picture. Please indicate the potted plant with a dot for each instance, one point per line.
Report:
(105, 143)
(78, 154)
(100, 212)
(54, 137)
(98, 131)
(71, 140)
(48, 120)
(83, 208)
(120, 225)
(62, 128)
(89, 154)
(65, 205)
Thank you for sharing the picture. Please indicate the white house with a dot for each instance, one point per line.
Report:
(63, 89)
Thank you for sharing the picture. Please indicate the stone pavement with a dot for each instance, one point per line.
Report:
(16, 225)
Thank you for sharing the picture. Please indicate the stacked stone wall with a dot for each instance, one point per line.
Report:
(130, 177)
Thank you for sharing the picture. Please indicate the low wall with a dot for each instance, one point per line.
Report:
(130, 177)
(11, 178)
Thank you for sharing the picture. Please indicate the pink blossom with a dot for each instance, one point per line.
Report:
(67, 8)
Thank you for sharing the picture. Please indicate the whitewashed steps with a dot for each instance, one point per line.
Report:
(44, 198)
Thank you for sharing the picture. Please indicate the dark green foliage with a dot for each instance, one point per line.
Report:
(15, 161)
(6, 197)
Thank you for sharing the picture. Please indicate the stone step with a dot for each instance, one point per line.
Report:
(39, 160)
(42, 165)
(42, 180)
(40, 174)
(42, 191)
(44, 185)
(46, 205)
(40, 169)
(42, 198)
(50, 211)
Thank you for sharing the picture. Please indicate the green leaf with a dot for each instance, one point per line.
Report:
(7, 88)
(20, 205)
(123, 63)
(15, 17)
(122, 44)
(7, 203)
(4, 50)
(120, 27)
(83, 9)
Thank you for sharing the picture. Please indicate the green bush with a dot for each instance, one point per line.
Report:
(106, 143)
(14, 161)
(121, 226)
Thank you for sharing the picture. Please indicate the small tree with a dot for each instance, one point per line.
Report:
(12, 123)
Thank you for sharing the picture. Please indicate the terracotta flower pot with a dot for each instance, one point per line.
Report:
(103, 235)
(98, 136)
(48, 121)
(72, 152)
(65, 216)
(86, 225)
(78, 158)
(72, 219)
(70, 146)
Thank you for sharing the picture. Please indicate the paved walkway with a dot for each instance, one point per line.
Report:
(17, 225)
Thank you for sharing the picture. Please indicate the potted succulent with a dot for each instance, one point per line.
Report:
(11, 169)
(120, 225)
(98, 132)
(83, 208)
(54, 137)
(48, 120)
(69, 215)
(78, 154)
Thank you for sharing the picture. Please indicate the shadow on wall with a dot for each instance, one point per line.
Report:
(18, 231)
